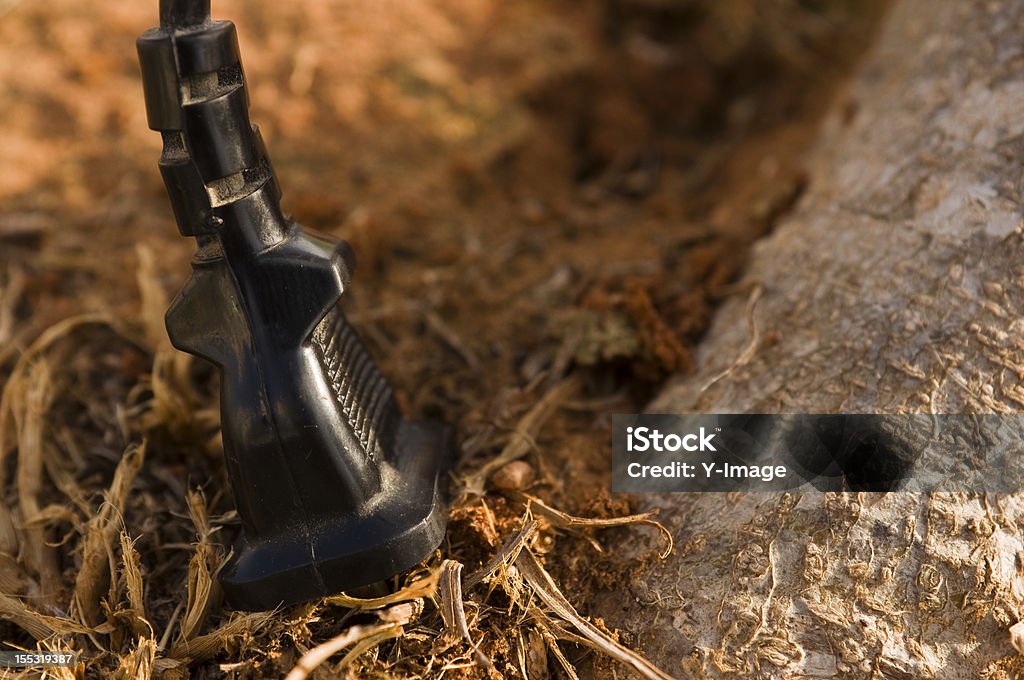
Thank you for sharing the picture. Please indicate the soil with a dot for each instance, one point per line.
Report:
(545, 198)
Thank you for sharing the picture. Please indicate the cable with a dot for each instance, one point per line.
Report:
(183, 13)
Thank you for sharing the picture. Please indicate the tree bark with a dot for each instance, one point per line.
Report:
(895, 286)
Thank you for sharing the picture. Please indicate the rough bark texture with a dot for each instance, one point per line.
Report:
(896, 285)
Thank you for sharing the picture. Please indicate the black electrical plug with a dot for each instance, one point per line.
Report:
(335, 490)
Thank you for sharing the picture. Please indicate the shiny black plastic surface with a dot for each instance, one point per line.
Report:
(334, 488)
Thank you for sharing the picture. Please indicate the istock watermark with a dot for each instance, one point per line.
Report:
(647, 439)
(817, 452)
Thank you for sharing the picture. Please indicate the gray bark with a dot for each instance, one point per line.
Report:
(895, 286)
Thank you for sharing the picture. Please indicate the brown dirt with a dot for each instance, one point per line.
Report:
(534, 190)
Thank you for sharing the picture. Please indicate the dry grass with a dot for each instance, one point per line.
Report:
(109, 623)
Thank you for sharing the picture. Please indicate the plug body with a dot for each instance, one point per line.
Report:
(334, 488)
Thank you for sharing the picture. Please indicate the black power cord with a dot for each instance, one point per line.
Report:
(334, 488)
(183, 13)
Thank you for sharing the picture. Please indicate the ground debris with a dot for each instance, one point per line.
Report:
(497, 287)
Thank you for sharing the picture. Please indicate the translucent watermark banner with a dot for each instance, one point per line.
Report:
(813, 452)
